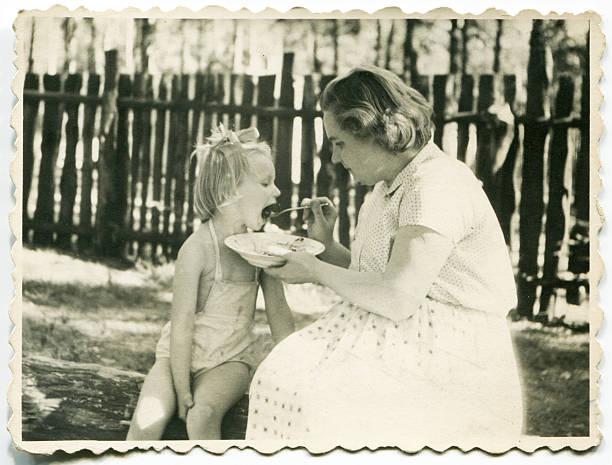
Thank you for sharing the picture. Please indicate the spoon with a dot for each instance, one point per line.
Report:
(274, 214)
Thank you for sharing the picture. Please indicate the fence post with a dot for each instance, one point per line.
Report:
(147, 84)
(30, 111)
(466, 103)
(506, 173)
(484, 137)
(308, 146)
(265, 98)
(439, 106)
(52, 123)
(555, 217)
(89, 122)
(532, 202)
(579, 254)
(284, 142)
(181, 156)
(111, 170)
(325, 173)
(137, 118)
(68, 181)
(158, 156)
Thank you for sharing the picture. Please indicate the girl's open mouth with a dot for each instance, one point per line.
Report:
(267, 211)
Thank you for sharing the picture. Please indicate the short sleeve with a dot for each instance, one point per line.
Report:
(440, 201)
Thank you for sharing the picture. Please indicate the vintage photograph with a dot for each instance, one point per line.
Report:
(305, 230)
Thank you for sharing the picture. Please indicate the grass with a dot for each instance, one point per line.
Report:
(86, 312)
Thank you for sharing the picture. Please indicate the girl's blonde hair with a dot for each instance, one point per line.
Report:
(222, 164)
(372, 102)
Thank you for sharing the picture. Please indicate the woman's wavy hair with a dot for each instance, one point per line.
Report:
(372, 102)
(222, 164)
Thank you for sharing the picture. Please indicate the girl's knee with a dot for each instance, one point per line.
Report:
(203, 417)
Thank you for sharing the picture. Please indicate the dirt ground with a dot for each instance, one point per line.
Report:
(87, 312)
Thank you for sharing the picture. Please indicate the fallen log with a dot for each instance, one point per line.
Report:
(64, 400)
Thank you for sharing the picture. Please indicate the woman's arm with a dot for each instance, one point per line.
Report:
(416, 259)
(279, 314)
(188, 270)
(336, 254)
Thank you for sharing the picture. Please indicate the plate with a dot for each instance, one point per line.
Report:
(264, 249)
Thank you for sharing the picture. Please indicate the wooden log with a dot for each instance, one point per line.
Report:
(555, 216)
(439, 106)
(265, 98)
(507, 201)
(308, 150)
(89, 122)
(158, 156)
(532, 201)
(466, 104)
(64, 400)
(326, 171)
(284, 144)
(145, 166)
(68, 180)
(52, 123)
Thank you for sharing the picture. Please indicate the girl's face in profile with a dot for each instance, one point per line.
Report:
(257, 191)
(363, 158)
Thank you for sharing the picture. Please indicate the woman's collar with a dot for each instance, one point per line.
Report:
(410, 167)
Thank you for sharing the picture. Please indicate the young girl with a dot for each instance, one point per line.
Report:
(205, 357)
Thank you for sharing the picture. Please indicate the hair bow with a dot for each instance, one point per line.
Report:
(221, 136)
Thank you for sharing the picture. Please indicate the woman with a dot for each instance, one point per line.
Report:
(419, 353)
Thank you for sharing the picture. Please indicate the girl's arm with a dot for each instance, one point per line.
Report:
(188, 270)
(279, 313)
(416, 259)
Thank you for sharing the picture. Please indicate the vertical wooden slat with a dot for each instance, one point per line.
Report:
(170, 167)
(52, 123)
(284, 142)
(506, 173)
(532, 202)
(158, 156)
(324, 176)
(308, 146)
(181, 156)
(579, 252)
(233, 99)
(555, 217)
(89, 122)
(265, 98)
(248, 91)
(146, 161)
(68, 181)
(122, 161)
(108, 217)
(421, 83)
(439, 106)
(136, 134)
(484, 137)
(200, 90)
(30, 111)
(344, 224)
(466, 104)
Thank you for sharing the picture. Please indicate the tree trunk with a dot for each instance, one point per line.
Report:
(410, 55)
(64, 400)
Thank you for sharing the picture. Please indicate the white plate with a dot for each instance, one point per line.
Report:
(262, 249)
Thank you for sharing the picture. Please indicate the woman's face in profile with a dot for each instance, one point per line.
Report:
(361, 157)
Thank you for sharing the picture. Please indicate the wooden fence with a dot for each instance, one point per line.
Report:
(106, 167)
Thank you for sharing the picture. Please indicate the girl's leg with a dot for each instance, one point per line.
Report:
(214, 392)
(156, 404)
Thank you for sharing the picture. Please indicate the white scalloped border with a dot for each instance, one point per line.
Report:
(526, 444)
